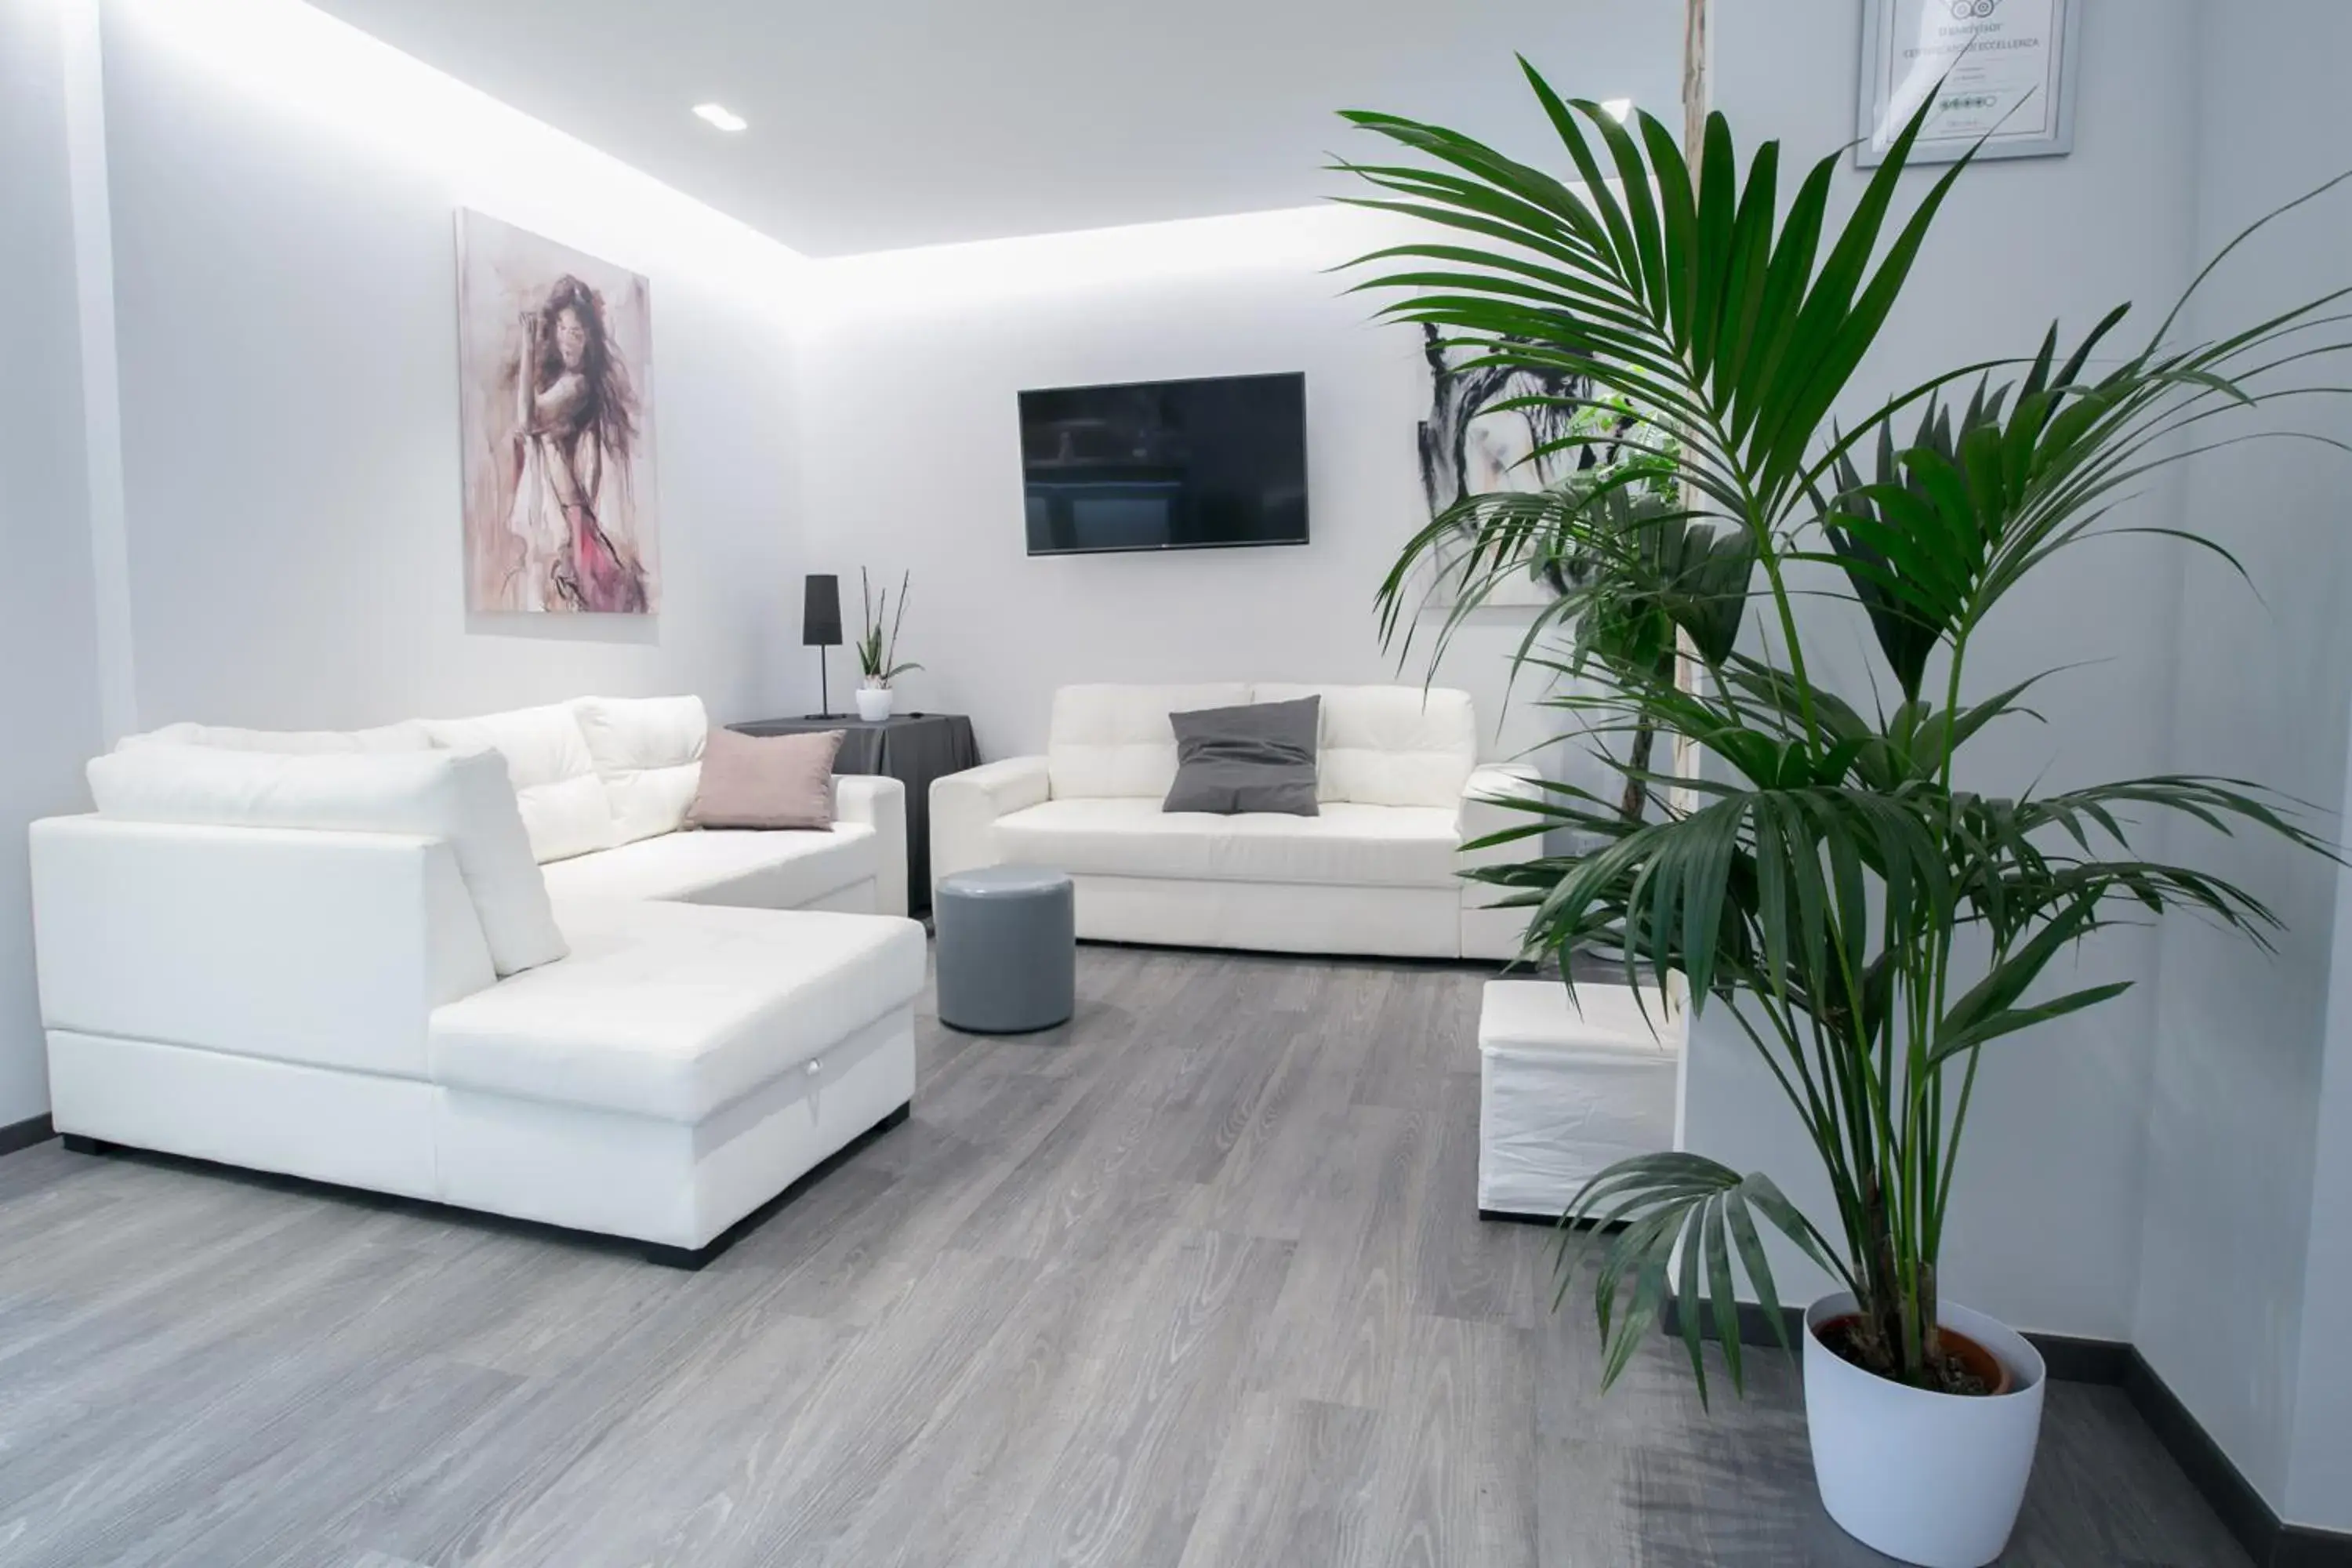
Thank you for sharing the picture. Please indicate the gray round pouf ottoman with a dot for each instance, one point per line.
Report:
(1008, 949)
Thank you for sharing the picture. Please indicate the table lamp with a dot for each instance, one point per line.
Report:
(821, 629)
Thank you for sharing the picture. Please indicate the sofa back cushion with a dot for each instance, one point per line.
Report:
(408, 735)
(648, 752)
(1114, 741)
(1389, 746)
(462, 798)
(564, 809)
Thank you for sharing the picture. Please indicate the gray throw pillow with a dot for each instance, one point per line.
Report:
(1257, 757)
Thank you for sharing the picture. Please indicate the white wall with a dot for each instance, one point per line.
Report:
(2252, 1067)
(2044, 1229)
(284, 192)
(48, 682)
(911, 371)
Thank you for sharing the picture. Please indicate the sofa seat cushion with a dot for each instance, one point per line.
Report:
(721, 866)
(1349, 845)
(674, 1010)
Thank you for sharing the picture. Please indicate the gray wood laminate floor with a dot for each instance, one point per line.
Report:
(1193, 1282)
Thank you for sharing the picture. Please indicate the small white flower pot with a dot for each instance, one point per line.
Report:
(874, 703)
(1931, 1478)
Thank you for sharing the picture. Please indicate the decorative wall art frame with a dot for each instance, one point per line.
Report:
(2003, 71)
(1469, 446)
(556, 414)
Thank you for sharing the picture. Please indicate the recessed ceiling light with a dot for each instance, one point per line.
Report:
(1618, 109)
(726, 118)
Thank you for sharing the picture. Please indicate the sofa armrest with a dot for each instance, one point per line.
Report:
(881, 804)
(965, 806)
(1488, 932)
(330, 948)
(1484, 811)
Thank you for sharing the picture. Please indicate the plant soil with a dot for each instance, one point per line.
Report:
(1963, 1366)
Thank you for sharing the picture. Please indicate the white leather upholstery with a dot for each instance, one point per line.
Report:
(1389, 746)
(330, 948)
(871, 801)
(361, 1129)
(462, 798)
(295, 996)
(1271, 917)
(565, 805)
(674, 1010)
(648, 752)
(1377, 871)
(1489, 930)
(1115, 741)
(680, 1185)
(674, 1183)
(1347, 845)
(408, 735)
(965, 808)
(722, 865)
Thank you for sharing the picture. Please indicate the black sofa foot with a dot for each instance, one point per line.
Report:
(77, 1144)
(689, 1258)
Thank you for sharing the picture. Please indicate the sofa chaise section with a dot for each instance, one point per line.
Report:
(680, 1068)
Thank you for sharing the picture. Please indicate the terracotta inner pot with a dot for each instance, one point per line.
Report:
(1987, 1368)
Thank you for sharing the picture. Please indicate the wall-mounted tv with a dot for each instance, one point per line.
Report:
(1165, 465)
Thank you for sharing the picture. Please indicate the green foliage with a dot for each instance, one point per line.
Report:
(877, 654)
(1807, 863)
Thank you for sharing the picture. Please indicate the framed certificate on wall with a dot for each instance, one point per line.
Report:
(1999, 71)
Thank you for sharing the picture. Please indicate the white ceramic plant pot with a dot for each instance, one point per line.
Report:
(1931, 1478)
(873, 703)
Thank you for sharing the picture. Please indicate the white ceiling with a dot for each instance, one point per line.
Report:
(880, 123)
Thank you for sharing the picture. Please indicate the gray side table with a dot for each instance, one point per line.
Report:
(914, 749)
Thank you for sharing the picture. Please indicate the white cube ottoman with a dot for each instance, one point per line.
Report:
(1566, 1091)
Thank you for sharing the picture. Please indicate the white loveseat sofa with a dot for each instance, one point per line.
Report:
(355, 957)
(1400, 792)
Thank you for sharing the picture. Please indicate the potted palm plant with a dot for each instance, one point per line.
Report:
(877, 653)
(1811, 861)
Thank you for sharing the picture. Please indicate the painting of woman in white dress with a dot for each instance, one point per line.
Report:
(555, 357)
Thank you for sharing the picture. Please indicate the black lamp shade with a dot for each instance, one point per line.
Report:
(821, 612)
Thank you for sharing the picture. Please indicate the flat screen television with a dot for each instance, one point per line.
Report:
(1165, 465)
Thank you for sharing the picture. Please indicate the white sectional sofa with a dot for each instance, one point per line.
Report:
(363, 958)
(1400, 792)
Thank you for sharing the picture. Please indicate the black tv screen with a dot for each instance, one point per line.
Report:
(1165, 465)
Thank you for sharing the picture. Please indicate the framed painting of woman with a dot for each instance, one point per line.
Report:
(555, 408)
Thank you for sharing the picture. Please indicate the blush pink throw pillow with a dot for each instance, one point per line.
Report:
(765, 781)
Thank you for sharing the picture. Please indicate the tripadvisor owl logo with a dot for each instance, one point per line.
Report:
(1973, 10)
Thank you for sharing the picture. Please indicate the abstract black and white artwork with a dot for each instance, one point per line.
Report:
(1469, 448)
(1467, 451)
